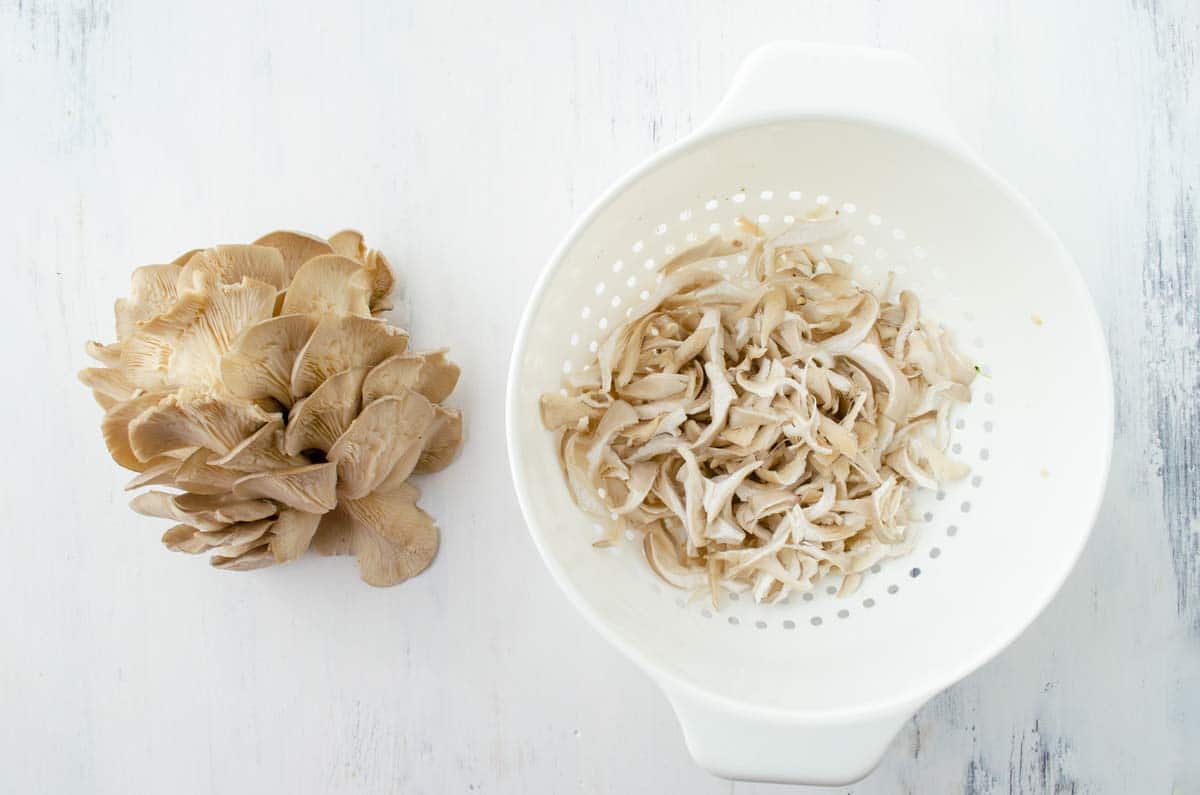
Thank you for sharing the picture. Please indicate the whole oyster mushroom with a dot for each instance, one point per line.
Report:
(258, 382)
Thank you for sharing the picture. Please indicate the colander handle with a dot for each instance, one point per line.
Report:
(734, 744)
(788, 79)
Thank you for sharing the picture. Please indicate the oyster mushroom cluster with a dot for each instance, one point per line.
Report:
(761, 427)
(257, 382)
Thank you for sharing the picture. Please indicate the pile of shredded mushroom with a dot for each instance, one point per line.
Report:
(258, 383)
(760, 419)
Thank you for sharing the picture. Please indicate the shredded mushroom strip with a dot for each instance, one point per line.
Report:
(764, 429)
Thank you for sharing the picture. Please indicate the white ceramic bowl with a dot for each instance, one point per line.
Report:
(814, 690)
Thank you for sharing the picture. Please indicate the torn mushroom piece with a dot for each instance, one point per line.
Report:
(763, 428)
(256, 380)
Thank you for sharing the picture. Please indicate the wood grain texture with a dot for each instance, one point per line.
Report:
(464, 138)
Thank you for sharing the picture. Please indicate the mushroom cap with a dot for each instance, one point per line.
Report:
(443, 443)
(379, 277)
(329, 285)
(107, 355)
(317, 421)
(258, 558)
(391, 537)
(259, 364)
(185, 538)
(115, 427)
(286, 536)
(334, 532)
(342, 343)
(183, 346)
(224, 508)
(152, 292)
(159, 471)
(233, 263)
(108, 382)
(209, 513)
(311, 488)
(261, 450)
(428, 373)
(348, 243)
(296, 248)
(179, 421)
(385, 440)
(102, 400)
(199, 475)
(242, 538)
(291, 534)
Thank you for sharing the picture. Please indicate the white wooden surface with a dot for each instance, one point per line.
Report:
(463, 138)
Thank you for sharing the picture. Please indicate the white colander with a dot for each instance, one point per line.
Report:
(814, 689)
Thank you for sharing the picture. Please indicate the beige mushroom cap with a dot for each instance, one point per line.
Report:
(199, 475)
(259, 558)
(115, 427)
(180, 421)
(183, 346)
(317, 421)
(428, 373)
(380, 277)
(443, 443)
(342, 343)
(224, 508)
(107, 355)
(259, 364)
(392, 538)
(349, 243)
(296, 248)
(185, 538)
(152, 292)
(204, 512)
(311, 488)
(286, 536)
(329, 285)
(109, 382)
(385, 440)
(292, 533)
(242, 538)
(159, 471)
(334, 532)
(231, 264)
(261, 450)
